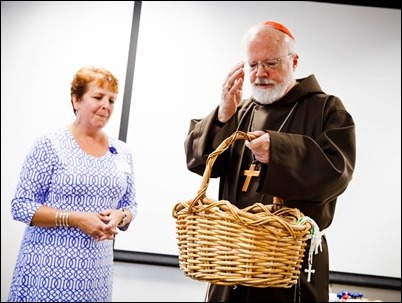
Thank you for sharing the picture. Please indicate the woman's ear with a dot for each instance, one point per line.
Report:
(76, 102)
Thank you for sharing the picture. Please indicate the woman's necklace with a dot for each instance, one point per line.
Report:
(254, 170)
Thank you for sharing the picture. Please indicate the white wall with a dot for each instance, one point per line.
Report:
(354, 51)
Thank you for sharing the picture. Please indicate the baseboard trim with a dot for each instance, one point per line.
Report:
(335, 277)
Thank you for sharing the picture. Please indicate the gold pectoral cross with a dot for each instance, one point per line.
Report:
(249, 173)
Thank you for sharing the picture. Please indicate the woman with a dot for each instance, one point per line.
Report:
(75, 191)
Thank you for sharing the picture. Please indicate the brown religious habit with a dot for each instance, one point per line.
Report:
(325, 132)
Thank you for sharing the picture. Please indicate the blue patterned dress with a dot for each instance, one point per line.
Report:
(63, 264)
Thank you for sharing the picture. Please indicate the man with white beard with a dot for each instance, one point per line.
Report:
(304, 151)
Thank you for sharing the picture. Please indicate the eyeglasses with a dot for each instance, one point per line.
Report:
(267, 64)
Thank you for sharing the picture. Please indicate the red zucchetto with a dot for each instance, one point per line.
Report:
(280, 27)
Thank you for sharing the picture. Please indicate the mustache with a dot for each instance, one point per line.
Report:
(260, 81)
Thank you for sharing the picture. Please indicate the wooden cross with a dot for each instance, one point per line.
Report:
(309, 271)
(249, 173)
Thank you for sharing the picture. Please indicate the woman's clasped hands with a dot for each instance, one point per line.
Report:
(102, 225)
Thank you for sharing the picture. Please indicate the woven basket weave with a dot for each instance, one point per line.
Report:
(259, 246)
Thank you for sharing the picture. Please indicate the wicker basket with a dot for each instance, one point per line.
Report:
(259, 246)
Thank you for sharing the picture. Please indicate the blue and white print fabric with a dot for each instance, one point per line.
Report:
(63, 264)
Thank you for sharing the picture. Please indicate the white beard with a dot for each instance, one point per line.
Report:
(266, 96)
(269, 96)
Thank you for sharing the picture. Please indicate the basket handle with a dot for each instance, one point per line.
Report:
(237, 135)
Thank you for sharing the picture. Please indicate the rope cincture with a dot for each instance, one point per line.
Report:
(316, 242)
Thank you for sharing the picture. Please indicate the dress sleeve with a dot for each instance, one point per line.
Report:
(34, 181)
(128, 200)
